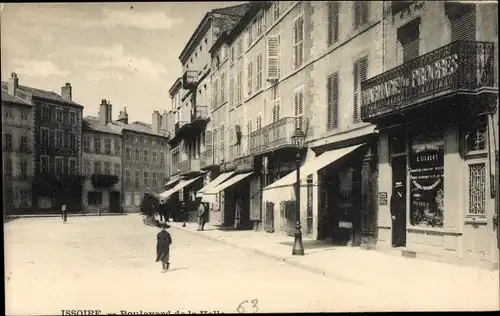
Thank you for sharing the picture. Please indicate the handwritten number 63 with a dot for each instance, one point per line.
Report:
(253, 303)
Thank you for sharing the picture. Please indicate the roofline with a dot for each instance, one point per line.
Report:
(189, 44)
(86, 129)
(71, 103)
(174, 88)
(253, 10)
(141, 132)
(18, 103)
(223, 37)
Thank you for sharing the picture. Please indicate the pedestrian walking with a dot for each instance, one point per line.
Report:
(64, 213)
(163, 242)
(398, 212)
(201, 214)
(162, 211)
(184, 213)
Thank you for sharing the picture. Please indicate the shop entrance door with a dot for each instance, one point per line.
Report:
(398, 202)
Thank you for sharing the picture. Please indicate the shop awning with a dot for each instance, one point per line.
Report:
(179, 186)
(169, 183)
(215, 182)
(227, 184)
(312, 166)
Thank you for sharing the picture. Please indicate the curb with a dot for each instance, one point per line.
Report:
(286, 260)
(59, 215)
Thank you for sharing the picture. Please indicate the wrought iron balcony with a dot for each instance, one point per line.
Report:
(276, 135)
(190, 79)
(244, 163)
(189, 165)
(459, 67)
(228, 166)
(180, 124)
(200, 113)
(207, 157)
(104, 180)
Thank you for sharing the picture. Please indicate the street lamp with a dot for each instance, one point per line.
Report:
(298, 138)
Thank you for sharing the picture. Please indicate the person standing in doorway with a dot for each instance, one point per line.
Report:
(163, 242)
(398, 214)
(64, 213)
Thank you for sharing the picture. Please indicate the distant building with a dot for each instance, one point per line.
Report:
(102, 163)
(57, 147)
(17, 149)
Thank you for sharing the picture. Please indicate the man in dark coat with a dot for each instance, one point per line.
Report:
(201, 214)
(162, 211)
(398, 214)
(184, 213)
(64, 213)
(164, 240)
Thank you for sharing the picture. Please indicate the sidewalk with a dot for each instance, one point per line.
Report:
(380, 274)
(59, 215)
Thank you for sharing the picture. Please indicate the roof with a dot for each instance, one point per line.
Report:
(43, 94)
(140, 128)
(92, 123)
(6, 97)
(242, 23)
(237, 11)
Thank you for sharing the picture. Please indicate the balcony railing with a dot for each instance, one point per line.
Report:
(461, 66)
(207, 157)
(189, 79)
(244, 163)
(201, 113)
(180, 124)
(276, 135)
(228, 166)
(189, 165)
(104, 180)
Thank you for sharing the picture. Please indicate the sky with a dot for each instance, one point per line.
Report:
(127, 53)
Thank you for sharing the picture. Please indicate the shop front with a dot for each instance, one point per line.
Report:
(437, 122)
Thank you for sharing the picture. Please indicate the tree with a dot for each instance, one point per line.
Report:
(149, 205)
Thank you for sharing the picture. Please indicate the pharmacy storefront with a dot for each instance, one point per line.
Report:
(438, 146)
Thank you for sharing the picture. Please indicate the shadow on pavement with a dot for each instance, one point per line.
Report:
(176, 269)
(312, 244)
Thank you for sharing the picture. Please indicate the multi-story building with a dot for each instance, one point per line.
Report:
(57, 148)
(102, 163)
(144, 162)
(17, 149)
(285, 64)
(191, 99)
(435, 106)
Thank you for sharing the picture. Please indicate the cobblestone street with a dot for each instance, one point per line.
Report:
(107, 263)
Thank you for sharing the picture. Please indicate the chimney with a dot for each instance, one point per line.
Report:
(13, 84)
(156, 122)
(123, 116)
(109, 112)
(164, 120)
(103, 111)
(66, 92)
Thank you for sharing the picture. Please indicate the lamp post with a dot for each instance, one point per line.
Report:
(298, 138)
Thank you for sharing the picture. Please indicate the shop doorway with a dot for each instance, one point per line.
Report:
(398, 201)
(114, 202)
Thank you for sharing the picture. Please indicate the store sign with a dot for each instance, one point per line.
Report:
(424, 75)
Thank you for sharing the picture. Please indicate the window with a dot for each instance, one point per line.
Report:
(276, 10)
(299, 107)
(250, 35)
(128, 154)
(231, 91)
(24, 116)
(118, 148)
(86, 143)
(137, 199)
(298, 42)
(276, 110)
(273, 66)
(146, 178)
(240, 48)
(155, 180)
(8, 167)
(146, 156)
(72, 140)
(127, 175)
(249, 77)
(249, 131)
(475, 132)
(137, 178)
(260, 25)
(107, 146)
(8, 141)
(44, 164)
(222, 88)
(86, 167)
(72, 117)
(259, 122)
(118, 171)
(97, 145)
(59, 165)
(332, 88)
(462, 17)
(59, 138)
(155, 158)
(59, 116)
(409, 40)
(239, 96)
(259, 72)
(45, 113)
(333, 21)
(137, 154)
(128, 199)
(44, 138)
(23, 169)
(72, 166)
(477, 190)
(360, 13)
(162, 157)
(94, 197)
(9, 114)
(24, 197)
(216, 93)
(107, 168)
(360, 72)
(231, 54)
(97, 167)
(23, 146)
(161, 177)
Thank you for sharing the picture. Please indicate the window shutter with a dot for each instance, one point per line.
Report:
(357, 14)
(259, 71)
(249, 77)
(300, 39)
(355, 83)
(463, 21)
(222, 88)
(273, 58)
(231, 91)
(53, 138)
(333, 22)
(333, 99)
(216, 89)
(363, 8)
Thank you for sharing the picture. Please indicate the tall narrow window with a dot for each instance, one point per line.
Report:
(137, 178)
(59, 116)
(107, 146)
(298, 107)
(249, 75)
(409, 39)
(360, 68)
(97, 167)
(23, 169)
(59, 165)
(250, 36)
(276, 110)
(8, 141)
(127, 175)
(231, 91)
(44, 164)
(146, 178)
(298, 41)
(146, 156)
(259, 122)
(137, 154)
(273, 61)
(360, 13)
(222, 88)
(97, 145)
(8, 167)
(259, 72)
(216, 93)
(107, 168)
(333, 21)
(128, 155)
(249, 132)
(86, 143)
(118, 171)
(276, 10)
(462, 18)
(239, 97)
(332, 88)
(72, 166)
